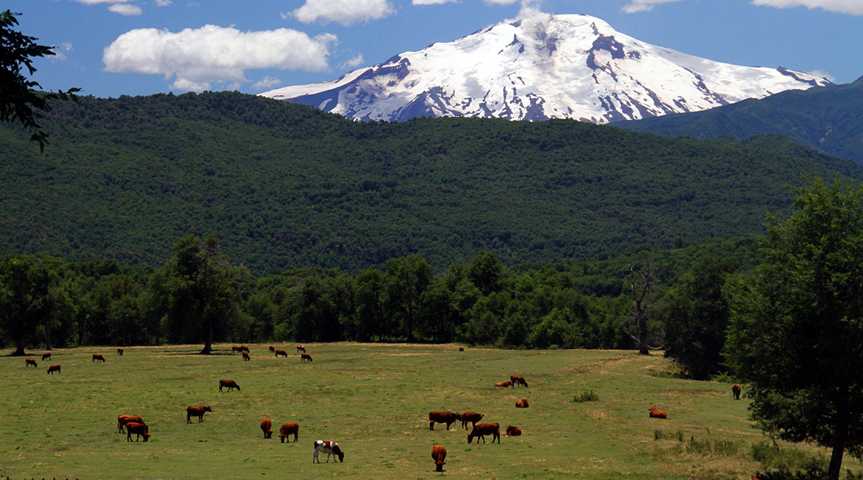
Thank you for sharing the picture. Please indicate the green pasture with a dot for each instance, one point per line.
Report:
(372, 399)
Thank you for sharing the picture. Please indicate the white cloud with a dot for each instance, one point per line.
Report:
(432, 2)
(344, 12)
(501, 2)
(354, 61)
(637, 6)
(853, 7)
(196, 58)
(61, 52)
(163, 3)
(266, 83)
(125, 9)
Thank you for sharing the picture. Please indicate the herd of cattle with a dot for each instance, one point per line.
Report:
(135, 425)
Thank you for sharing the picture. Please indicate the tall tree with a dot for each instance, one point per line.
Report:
(18, 95)
(25, 297)
(797, 325)
(408, 279)
(641, 285)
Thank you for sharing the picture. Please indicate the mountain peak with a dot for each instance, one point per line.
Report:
(542, 66)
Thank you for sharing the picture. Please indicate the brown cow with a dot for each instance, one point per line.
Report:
(267, 427)
(287, 429)
(522, 403)
(439, 457)
(735, 391)
(122, 420)
(505, 384)
(197, 411)
(46, 355)
(139, 429)
(246, 357)
(98, 358)
(517, 380)
(229, 384)
(512, 431)
(480, 430)
(29, 362)
(470, 417)
(301, 348)
(53, 368)
(442, 417)
(119, 352)
(281, 353)
(305, 357)
(656, 412)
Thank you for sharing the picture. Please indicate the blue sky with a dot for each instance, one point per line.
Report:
(253, 45)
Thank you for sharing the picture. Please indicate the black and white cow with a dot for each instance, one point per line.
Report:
(330, 448)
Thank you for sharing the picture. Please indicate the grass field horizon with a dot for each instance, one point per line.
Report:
(374, 400)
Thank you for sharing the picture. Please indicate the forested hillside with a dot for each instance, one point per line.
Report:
(829, 119)
(284, 185)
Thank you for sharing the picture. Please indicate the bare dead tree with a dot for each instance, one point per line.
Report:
(641, 285)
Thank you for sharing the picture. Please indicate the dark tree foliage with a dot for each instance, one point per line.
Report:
(25, 296)
(695, 314)
(18, 92)
(797, 324)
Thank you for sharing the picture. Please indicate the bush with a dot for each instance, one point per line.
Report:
(586, 396)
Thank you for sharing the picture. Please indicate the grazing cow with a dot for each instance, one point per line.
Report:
(480, 430)
(522, 403)
(46, 355)
(505, 384)
(267, 427)
(735, 391)
(98, 358)
(197, 411)
(119, 352)
(301, 348)
(305, 357)
(330, 448)
(517, 380)
(281, 353)
(287, 429)
(656, 412)
(512, 431)
(442, 417)
(139, 429)
(470, 417)
(460, 349)
(122, 420)
(28, 362)
(439, 457)
(53, 368)
(229, 384)
(272, 349)
(246, 357)
(235, 349)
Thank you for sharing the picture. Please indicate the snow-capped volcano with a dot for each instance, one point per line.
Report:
(540, 67)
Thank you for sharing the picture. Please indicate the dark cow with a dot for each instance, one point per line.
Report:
(504, 384)
(656, 412)
(439, 457)
(522, 403)
(120, 352)
(246, 357)
(30, 363)
(305, 357)
(517, 380)
(287, 429)
(139, 429)
(480, 430)
(272, 349)
(735, 391)
(122, 420)
(229, 384)
(53, 368)
(301, 348)
(442, 417)
(197, 411)
(98, 358)
(281, 353)
(470, 417)
(330, 448)
(512, 431)
(267, 427)
(236, 349)
(46, 355)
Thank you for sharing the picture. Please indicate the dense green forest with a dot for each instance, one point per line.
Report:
(286, 186)
(828, 119)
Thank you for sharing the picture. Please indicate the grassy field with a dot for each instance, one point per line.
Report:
(374, 400)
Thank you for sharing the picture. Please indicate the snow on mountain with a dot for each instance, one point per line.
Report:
(540, 67)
